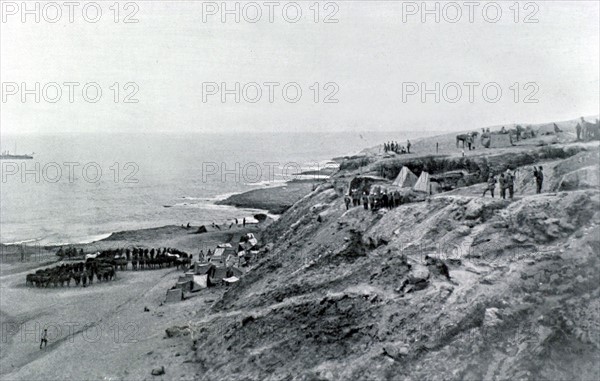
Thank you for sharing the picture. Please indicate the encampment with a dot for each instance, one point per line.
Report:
(405, 179)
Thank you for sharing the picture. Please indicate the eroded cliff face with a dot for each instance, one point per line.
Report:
(457, 287)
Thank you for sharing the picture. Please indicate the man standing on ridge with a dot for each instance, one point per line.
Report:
(539, 178)
(407, 146)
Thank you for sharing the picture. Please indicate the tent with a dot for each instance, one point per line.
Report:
(500, 140)
(206, 229)
(200, 282)
(405, 179)
(547, 129)
(218, 256)
(248, 241)
(203, 268)
(174, 295)
(423, 182)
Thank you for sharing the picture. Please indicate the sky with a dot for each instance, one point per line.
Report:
(373, 66)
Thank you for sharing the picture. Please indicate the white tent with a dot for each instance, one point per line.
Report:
(405, 179)
(422, 184)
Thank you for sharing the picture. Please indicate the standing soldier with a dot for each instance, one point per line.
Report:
(384, 199)
(502, 182)
(510, 183)
(539, 178)
(347, 201)
(578, 129)
(407, 146)
(365, 200)
(397, 198)
(491, 185)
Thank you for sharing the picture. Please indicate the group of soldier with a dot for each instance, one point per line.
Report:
(395, 147)
(381, 198)
(506, 180)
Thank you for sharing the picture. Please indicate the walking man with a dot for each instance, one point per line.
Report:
(44, 338)
(539, 178)
(491, 185)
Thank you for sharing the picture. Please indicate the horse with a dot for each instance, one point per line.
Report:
(468, 138)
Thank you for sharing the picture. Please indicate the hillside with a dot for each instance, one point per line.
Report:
(450, 286)
(348, 295)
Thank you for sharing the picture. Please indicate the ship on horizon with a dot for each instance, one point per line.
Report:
(6, 155)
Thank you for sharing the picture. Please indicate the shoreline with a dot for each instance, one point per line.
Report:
(276, 200)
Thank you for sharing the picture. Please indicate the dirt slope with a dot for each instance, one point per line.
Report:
(348, 295)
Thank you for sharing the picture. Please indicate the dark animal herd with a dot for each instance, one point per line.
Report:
(104, 265)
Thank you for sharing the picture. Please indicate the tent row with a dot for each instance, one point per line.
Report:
(407, 179)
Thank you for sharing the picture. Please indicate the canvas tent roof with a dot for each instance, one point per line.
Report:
(500, 140)
(203, 268)
(405, 179)
(422, 184)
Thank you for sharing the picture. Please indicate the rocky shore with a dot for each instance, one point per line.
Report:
(276, 199)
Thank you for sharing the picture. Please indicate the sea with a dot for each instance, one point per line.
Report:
(79, 188)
